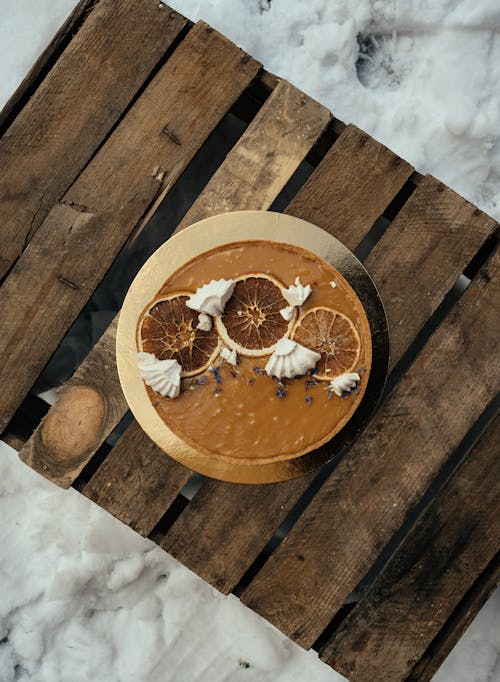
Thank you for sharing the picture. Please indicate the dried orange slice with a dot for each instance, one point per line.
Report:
(331, 334)
(168, 330)
(251, 322)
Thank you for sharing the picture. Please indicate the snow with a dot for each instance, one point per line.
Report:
(82, 597)
(421, 76)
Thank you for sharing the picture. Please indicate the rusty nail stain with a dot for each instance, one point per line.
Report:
(67, 282)
(171, 135)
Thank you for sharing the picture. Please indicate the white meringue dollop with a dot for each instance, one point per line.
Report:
(344, 382)
(204, 322)
(287, 313)
(163, 376)
(290, 359)
(230, 356)
(212, 297)
(296, 294)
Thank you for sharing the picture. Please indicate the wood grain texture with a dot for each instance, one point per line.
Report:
(74, 108)
(226, 525)
(137, 482)
(256, 141)
(44, 63)
(457, 624)
(64, 441)
(56, 275)
(420, 256)
(369, 494)
(351, 187)
(440, 231)
(267, 154)
(409, 602)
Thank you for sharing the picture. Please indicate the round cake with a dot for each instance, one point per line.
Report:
(254, 351)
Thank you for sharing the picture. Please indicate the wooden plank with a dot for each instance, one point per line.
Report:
(356, 181)
(84, 415)
(137, 482)
(59, 271)
(278, 139)
(428, 245)
(266, 156)
(390, 629)
(200, 538)
(369, 494)
(252, 175)
(457, 624)
(44, 63)
(74, 108)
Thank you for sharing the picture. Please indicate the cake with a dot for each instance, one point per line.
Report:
(255, 351)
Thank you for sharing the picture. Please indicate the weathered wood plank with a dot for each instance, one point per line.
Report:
(74, 108)
(409, 602)
(457, 624)
(266, 156)
(58, 272)
(452, 234)
(278, 139)
(43, 64)
(427, 246)
(81, 419)
(387, 470)
(351, 187)
(137, 482)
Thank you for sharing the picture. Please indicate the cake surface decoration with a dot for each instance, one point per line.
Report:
(255, 351)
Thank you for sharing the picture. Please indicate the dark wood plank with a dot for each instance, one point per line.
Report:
(369, 494)
(137, 482)
(200, 537)
(226, 525)
(278, 140)
(74, 108)
(409, 602)
(457, 624)
(58, 272)
(356, 181)
(44, 63)
(430, 242)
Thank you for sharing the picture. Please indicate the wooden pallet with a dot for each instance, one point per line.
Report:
(391, 549)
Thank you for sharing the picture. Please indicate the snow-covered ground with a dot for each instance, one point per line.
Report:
(81, 596)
